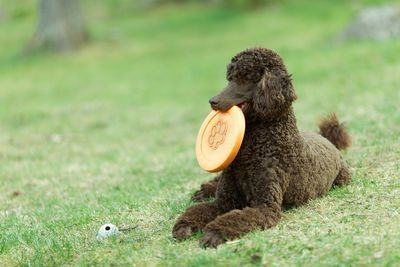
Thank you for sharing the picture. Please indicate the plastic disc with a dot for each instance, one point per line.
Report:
(219, 139)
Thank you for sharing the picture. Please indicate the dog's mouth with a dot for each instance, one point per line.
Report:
(242, 106)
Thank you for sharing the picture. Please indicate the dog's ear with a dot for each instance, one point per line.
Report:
(274, 94)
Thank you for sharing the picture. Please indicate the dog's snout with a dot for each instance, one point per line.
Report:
(213, 102)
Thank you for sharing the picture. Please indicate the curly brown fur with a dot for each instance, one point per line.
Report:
(251, 64)
(331, 129)
(277, 166)
(207, 191)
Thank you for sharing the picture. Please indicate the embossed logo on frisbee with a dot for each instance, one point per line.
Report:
(217, 135)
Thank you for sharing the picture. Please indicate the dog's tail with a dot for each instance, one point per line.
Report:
(335, 132)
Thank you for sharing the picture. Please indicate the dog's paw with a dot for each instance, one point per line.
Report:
(183, 230)
(200, 196)
(212, 239)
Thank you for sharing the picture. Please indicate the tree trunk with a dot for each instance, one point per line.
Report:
(61, 26)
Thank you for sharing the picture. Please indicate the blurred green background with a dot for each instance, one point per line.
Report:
(105, 132)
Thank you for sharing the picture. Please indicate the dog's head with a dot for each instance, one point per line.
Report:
(258, 83)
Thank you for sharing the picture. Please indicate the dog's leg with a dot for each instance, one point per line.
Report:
(344, 176)
(235, 223)
(265, 195)
(207, 190)
(194, 219)
(198, 216)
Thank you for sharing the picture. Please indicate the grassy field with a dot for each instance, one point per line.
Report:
(107, 135)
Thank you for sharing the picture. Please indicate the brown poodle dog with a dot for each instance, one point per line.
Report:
(277, 166)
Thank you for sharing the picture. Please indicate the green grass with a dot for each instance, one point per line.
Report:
(107, 135)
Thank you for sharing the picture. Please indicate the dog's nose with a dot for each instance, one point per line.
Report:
(213, 102)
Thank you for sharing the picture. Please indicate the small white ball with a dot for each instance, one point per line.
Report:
(106, 231)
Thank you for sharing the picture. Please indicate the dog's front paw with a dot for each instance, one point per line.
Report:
(201, 196)
(183, 230)
(212, 239)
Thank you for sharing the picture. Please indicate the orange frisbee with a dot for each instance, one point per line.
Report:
(219, 139)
